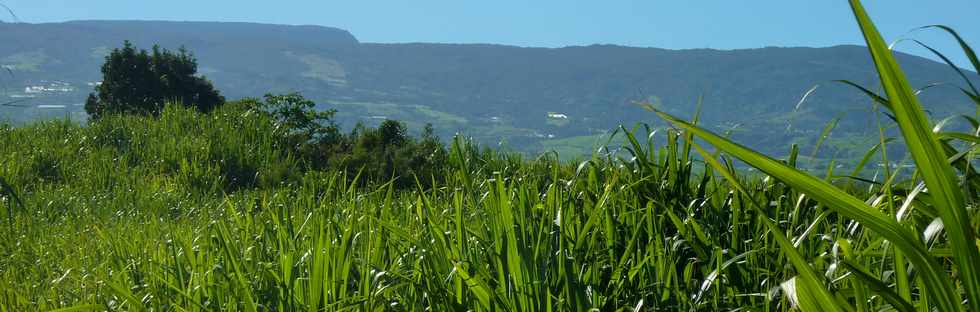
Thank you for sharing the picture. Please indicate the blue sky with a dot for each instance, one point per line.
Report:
(677, 24)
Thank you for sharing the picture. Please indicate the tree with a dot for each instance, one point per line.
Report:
(138, 82)
(304, 131)
(298, 116)
(393, 133)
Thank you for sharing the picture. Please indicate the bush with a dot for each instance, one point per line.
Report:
(388, 153)
(377, 154)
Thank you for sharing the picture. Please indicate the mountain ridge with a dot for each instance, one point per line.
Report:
(498, 93)
(489, 44)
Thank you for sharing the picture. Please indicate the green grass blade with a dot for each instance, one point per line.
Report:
(874, 96)
(825, 134)
(79, 308)
(929, 157)
(818, 298)
(939, 284)
(960, 136)
(955, 68)
(970, 54)
(127, 296)
(867, 157)
(879, 288)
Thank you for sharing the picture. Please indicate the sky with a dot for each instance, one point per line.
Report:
(677, 24)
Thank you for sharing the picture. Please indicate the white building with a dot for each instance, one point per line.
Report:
(557, 116)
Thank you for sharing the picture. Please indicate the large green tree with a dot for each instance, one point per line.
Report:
(135, 81)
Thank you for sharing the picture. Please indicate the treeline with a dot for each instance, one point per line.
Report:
(384, 153)
(141, 83)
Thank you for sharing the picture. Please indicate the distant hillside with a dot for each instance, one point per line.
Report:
(492, 92)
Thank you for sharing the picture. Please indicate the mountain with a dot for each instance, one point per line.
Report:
(532, 99)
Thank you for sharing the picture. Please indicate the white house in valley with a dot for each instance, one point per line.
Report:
(557, 115)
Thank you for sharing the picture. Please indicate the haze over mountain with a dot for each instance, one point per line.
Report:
(534, 99)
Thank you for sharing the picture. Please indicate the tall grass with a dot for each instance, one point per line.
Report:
(202, 212)
(938, 194)
(134, 213)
